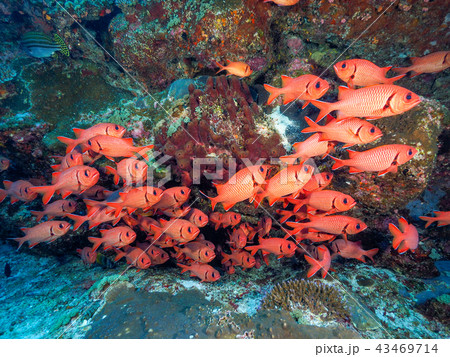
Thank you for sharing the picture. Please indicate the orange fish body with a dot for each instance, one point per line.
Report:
(262, 230)
(406, 236)
(178, 229)
(102, 215)
(58, 208)
(71, 159)
(352, 250)
(241, 186)
(173, 197)
(201, 239)
(238, 239)
(287, 181)
(239, 257)
(96, 192)
(298, 216)
(84, 135)
(283, 2)
(176, 212)
(318, 182)
(18, 191)
(239, 69)
(350, 131)
(431, 63)
(74, 179)
(336, 224)
(135, 257)
(111, 146)
(278, 246)
(324, 262)
(88, 256)
(43, 232)
(224, 219)
(197, 217)
(382, 159)
(145, 224)
(311, 147)
(327, 201)
(442, 217)
(4, 163)
(315, 237)
(157, 255)
(131, 171)
(306, 87)
(374, 102)
(197, 252)
(205, 272)
(363, 73)
(114, 237)
(140, 197)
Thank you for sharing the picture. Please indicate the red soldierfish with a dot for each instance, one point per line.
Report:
(431, 63)
(43, 232)
(349, 250)
(77, 178)
(196, 251)
(71, 159)
(327, 201)
(363, 73)
(84, 135)
(283, 2)
(241, 186)
(324, 262)
(135, 257)
(102, 215)
(239, 258)
(173, 197)
(318, 182)
(305, 87)
(58, 208)
(238, 239)
(4, 163)
(278, 246)
(131, 171)
(88, 256)
(140, 197)
(204, 272)
(315, 237)
(374, 102)
(18, 191)
(114, 237)
(178, 229)
(157, 255)
(224, 219)
(197, 217)
(239, 69)
(443, 218)
(406, 236)
(311, 147)
(350, 131)
(111, 146)
(384, 159)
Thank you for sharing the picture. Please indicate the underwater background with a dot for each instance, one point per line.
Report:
(151, 68)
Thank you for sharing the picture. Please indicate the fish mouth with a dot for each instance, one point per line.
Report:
(352, 205)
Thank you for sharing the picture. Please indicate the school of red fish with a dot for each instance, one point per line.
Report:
(173, 228)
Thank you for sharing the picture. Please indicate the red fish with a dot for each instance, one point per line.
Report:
(298, 216)
(4, 163)
(382, 159)
(84, 135)
(350, 131)
(327, 201)
(289, 180)
(157, 255)
(71, 159)
(311, 147)
(114, 237)
(173, 197)
(278, 246)
(102, 215)
(315, 237)
(201, 239)
(336, 224)
(131, 171)
(363, 73)
(204, 272)
(77, 178)
(241, 186)
(145, 223)
(318, 182)
(374, 102)
(58, 208)
(406, 236)
(238, 239)
(111, 146)
(262, 229)
(43, 232)
(305, 87)
(239, 69)
(283, 2)
(442, 217)
(96, 192)
(431, 63)
(176, 212)
(224, 219)
(140, 197)
(196, 251)
(239, 257)
(88, 256)
(18, 191)
(135, 257)
(349, 250)
(197, 217)
(324, 262)
(178, 229)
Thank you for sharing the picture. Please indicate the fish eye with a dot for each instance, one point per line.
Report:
(86, 173)
(189, 230)
(235, 217)
(327, 177)
(200, 218)
(213, 275)
(26, 190)
(71, 157)
(248, 260)
(318, 85)
(89, 143)
(261, 169)
(358, 226)
(182, 192)
(345, 201)
(116, 127)
(409, 96)
(306, 168)
(206, 253)
(61, 225)
(128, 234)
(409, 152)
(136, 165)
(154, 192)
(289, 246)
(69, 204)
(344, 65)
(372, 130)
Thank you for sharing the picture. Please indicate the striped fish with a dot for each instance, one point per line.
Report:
(40, 45)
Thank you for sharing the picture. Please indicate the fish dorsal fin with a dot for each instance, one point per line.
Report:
(162, 221)
(329, 118)
(218, 187)
(344, 92)
(402, 223)
(128, 141)
(56, 174)
(413, 59)
(77, 132)
(123, 195)
(7, 184)
(24, 229)
(352, 153)
(285, 80)
(386, 69)
(103, 231)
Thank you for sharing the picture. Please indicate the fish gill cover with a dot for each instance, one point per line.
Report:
(260, 148)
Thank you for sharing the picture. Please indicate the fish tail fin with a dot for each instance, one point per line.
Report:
(117, 208)
(393, 79)
(220, 66)
(38, 215)
(79, 220)
(370, 253)
(274, 93)
(96, 241)
(184, 268)
(112, 171)
(401, 70)
(252, 249)
(119, 255)
(158, 231)
(142, 150)
(429, 220)
(338, 163)
(62, 45)
(71, 143)
(315, 266)
(226, 257)
(20, 240)
(313, 127)
(324, 107)
(398, 235)
(47, 192)
(212, 199)
(3, 195)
